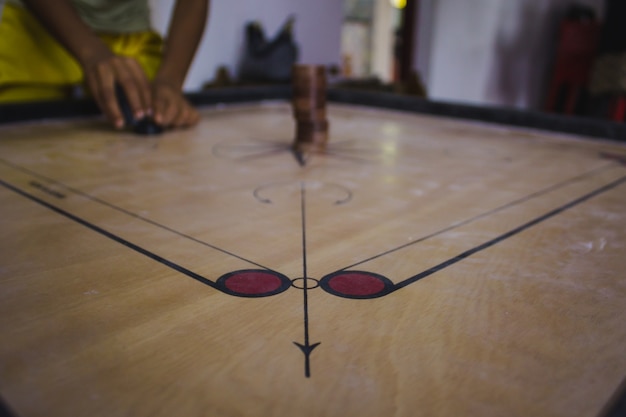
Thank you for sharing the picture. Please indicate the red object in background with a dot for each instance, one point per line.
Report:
(576, 51)
(617, 111)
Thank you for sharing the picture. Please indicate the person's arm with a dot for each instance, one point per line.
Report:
(101, 67)
(184, 34)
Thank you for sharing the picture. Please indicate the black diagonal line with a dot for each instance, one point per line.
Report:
(111, 236)
(130, 213)
(485, 214)
(508, 234)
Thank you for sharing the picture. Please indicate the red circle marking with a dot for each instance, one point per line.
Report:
(356, 284)
(253, 282)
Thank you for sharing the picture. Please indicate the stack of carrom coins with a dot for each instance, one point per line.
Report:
(309, 107)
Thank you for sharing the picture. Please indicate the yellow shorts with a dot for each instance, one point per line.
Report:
(34, 66)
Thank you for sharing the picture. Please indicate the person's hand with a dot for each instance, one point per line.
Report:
(170, 108)
(105, 70)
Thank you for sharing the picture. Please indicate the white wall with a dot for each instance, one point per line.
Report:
(317, 31)
(491, 52)
(423, 44)
(494, 52)
(382, 36)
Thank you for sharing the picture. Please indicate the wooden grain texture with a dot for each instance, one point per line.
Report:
(504, 250)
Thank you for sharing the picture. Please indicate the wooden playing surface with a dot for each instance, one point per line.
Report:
(421, 266)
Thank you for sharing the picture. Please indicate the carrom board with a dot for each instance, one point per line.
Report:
(419, 266)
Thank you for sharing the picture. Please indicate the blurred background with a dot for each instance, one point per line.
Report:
(527, 54)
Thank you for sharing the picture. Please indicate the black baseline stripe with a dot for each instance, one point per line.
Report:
(5, 411)
(616, 407)
(129, 213)
(508, 234)
(112, 236)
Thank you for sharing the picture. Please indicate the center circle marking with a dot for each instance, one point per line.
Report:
(300, 286)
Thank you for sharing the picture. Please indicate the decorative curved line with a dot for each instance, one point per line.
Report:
(348, 196)
(257, 193)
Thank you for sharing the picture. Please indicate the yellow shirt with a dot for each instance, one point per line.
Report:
(35, 66)
(111, 16)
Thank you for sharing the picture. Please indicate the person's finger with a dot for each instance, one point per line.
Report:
(141, 84)
(165, 107)
(105, 84)
(194, 117)
(189, 117)
(126, 79)
(92, 87)
(169, 114)
(158, 107)
(171, 109)
(182, 117)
